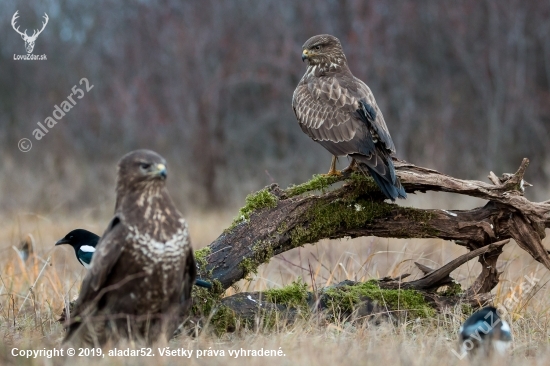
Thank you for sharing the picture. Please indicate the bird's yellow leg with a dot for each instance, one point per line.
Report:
(351, 167)
(333, 170)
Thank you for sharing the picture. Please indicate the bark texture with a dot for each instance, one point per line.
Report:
(277, 220)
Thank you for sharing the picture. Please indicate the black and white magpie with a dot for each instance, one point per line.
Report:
(485, 330)
(84, 243)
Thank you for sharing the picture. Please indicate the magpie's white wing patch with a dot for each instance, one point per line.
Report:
(87, 249)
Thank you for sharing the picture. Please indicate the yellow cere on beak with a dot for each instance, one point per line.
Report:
(304, 55)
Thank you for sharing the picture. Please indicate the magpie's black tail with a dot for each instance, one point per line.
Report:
(202, 283)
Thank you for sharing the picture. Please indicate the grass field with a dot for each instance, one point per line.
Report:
(28, 317)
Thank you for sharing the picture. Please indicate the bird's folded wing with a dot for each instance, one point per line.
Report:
(324, 110)
(329, 112)
(378, 124)
(107, 253)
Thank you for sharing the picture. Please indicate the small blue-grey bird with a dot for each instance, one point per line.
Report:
(84, 243)
(485, 330)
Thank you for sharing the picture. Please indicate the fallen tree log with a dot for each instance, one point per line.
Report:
(275, 220)
(348, 299)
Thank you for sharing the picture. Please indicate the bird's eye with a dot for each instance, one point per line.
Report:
(70, 237)
(144, 166)
(318, 47)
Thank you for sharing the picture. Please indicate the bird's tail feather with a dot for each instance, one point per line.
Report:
(390, 190)
(382, 170)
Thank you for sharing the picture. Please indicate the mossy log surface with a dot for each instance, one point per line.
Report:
(386, 298)
(276, 220)
(345, 301)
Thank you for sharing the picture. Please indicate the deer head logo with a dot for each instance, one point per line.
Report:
(29, 40)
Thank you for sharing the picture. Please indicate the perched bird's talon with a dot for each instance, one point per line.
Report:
(333, 173)
(352, 167)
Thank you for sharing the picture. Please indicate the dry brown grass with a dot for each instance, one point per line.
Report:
(31, 323)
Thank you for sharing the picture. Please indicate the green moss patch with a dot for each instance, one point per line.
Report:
(206, 304)
(355, 209)
(249, 267)
(201, 255)
(202, 262)
(454, 289)
(319, 182)
(223, 319)
(254, 202)
(347, 298)
(324, 220)
(294, 295)
(262, 252)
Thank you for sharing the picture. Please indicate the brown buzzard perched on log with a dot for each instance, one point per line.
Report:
(141, 275)
(338, 111)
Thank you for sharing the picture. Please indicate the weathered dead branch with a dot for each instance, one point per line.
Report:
(278, 220)
(440, 277)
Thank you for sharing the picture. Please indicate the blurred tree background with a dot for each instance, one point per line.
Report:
(464, 87)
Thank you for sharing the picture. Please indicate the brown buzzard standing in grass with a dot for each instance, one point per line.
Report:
(140, 279)
(338, 111)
